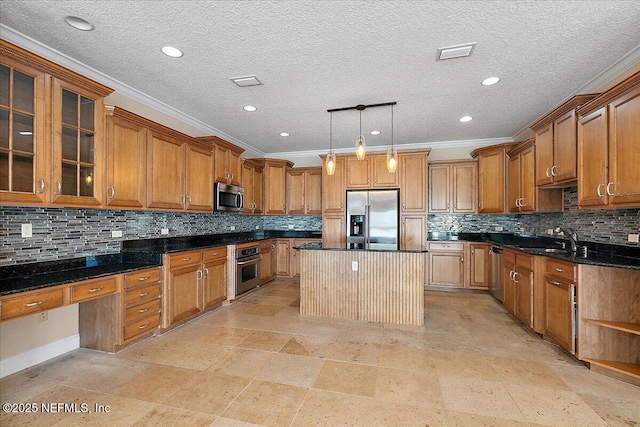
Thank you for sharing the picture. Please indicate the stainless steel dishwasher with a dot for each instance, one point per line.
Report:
(497, 288)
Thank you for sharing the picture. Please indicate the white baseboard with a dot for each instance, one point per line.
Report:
(41, 354)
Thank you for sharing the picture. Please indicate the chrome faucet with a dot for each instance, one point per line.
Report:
(572, 235)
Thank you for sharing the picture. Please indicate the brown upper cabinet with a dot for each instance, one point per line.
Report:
(228, 165)
(275, 179)
(523, 195)
(179, 171)
(453, 186)
(609, 148)
(491, 177)
(556, 144)
(370, 172)
(304, 191)
(52, 149)
(333, 196)
(252, 182)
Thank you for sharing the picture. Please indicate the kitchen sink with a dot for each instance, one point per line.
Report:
(547, 250)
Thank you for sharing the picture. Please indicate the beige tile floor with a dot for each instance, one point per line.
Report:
(258, 362)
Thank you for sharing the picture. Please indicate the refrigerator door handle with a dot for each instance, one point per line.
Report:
(367, 213)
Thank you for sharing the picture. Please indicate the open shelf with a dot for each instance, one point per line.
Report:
(632, 328)
(632, 369)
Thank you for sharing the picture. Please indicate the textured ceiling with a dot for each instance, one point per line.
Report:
(317, 55)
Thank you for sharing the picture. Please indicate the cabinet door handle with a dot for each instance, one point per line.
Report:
(522, 203)
(33, 304)
(142, 279)
(553, 169)
(143, 326)
(553, 282)
(548, 172)
(143, 294)
(609, 193)
(143, 310)
(188, 202)
(462, 260)
(598, 190)
(58, 188)
(559, 270)
(41, 189)
(206, 272)
(95, 289)
(186, 259)
(403, 206)
(199, 274)
(182, 200)
(307, 208)
(112, 193)
(515, 273)
(511, 275)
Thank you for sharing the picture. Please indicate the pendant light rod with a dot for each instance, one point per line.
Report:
(362, 107)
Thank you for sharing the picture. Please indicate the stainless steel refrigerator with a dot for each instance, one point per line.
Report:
(372, 219)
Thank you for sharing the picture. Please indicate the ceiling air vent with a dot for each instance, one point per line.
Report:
(246, 81)
(457, 51)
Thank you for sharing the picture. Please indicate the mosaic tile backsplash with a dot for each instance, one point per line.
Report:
(609, 226)
(68, 233)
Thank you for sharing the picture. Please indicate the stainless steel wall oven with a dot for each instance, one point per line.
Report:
(247, 269)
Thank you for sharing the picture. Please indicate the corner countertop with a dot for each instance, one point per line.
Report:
(323, 247)
(604, 255)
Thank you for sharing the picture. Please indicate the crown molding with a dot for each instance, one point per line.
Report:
(66, 61)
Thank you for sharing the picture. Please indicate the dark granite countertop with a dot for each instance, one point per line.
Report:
(29, 277)
(321, 247)
(597, 253)
(187, 243)
(135, 255)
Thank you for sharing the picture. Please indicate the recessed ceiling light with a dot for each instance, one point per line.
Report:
(375, 132)
(466, 119)
(284, 134)
(171, 51)
(249, 108)
(79, 23)
(25, 133)
(490, 81)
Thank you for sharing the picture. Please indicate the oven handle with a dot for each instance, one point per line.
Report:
(252, 261)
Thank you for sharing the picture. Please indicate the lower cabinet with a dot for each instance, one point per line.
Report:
(111, 322)
(479, 265)
(193, 282)
(523, 289)
(560, 288)
(508, 270)
(283, 263)
(446, 261)
(267, 270)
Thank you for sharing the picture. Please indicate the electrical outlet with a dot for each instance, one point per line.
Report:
(634, 238)
(290, 226)
(27, 230)
(43, 316)
(233, 227)
(560, 233)
(116, 233)
(164, 231)
(498, 228)
(257, 227)
(354, 265)
(550, 231)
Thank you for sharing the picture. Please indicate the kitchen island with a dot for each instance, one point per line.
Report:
(359, 284)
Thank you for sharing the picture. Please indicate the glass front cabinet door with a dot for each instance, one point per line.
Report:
(22, 134)
(78, 146)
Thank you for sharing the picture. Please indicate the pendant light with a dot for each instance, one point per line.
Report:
(392, 154)
(330, 161)
(360, 144)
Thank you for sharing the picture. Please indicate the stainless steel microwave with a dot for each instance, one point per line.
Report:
(228, 198)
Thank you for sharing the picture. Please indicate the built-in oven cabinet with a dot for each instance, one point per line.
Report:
(193, 282)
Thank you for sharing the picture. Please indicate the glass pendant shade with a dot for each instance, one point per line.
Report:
(361, 148)
(330, 163)
(392, 160)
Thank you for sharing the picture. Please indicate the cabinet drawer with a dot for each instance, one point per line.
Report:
(32, 303)
(185, 258)
(525, 261)
(265, 245)
(92, 289)
(141, 326)
(215, 253)
(144, 293)
(141, 277)
(509, 256)
(142, 310)
(446, 246)
(563, 270)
